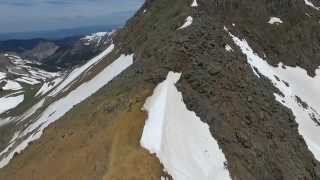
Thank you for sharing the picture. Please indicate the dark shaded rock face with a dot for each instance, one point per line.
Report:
(257, 134)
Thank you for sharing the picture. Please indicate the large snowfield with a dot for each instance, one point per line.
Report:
(58, 108)
(181, 141)
(294, 83)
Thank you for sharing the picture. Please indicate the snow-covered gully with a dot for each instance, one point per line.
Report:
(187, 22)
(181, 141)
(58, 108)
(300, 93)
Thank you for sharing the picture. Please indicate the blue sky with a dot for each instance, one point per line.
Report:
(35, 15)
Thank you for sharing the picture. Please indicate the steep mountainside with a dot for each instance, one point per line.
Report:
(199, 89)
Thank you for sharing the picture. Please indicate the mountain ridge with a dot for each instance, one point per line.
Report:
(57, 34)
(243, 93)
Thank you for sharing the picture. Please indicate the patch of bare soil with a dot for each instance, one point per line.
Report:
(98, 140)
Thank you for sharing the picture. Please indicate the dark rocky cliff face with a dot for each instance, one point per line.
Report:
(258, 135)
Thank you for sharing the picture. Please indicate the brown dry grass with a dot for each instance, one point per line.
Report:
(90, 143)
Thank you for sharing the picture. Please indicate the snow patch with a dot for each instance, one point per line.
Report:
(5, 121)
(2, 75)
(181, 141)
(187, 22)
(194, 3)
(10, 101)
(228, 48)
(42, 75)
(275, 20)
(28, 80)
(11, 85)
(294, 83)
(58, 108)
(309, 3)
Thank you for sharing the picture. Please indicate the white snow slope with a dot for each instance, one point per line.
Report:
(181, 141)
(12, 85)
(76, 72)
(58, 108)
(10, 101)
(2, 75)
(292, 82)
(28, 80)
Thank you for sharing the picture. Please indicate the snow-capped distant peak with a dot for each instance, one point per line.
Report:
(187, 22)
(194, 3)
(275, 20)
(95, 36)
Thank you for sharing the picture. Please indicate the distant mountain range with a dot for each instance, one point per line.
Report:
(58, 34)
(53, 54)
